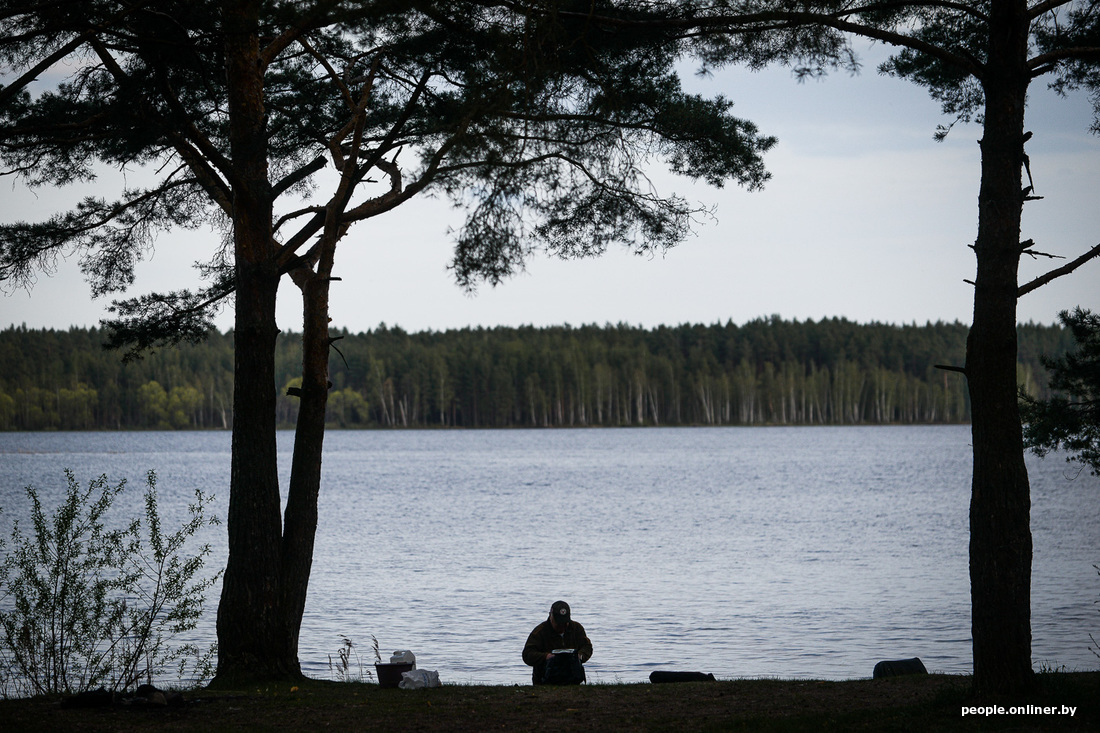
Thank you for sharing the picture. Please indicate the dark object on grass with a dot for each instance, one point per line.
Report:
(899, 667)
(659, 676)
(564, 668)
(144, 695)
(100, 698)
(149, 695)
(389, 674)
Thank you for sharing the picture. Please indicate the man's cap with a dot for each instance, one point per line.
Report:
(560, 612)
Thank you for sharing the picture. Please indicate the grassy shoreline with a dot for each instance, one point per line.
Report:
(914, 703)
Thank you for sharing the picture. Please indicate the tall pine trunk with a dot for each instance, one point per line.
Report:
(1000, 534)
(250, 622)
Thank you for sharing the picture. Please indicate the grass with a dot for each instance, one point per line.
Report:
(916, 703)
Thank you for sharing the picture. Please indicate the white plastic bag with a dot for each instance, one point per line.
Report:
(418, 679)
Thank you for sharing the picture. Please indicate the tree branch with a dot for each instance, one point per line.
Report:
(749, 23)
(200, 155)
(1044, 61)
(297, 176)
(1063, 270)
(1045, 7)
(31, 74)
(16, 86)
(308, 21)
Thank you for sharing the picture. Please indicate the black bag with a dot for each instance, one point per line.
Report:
(564, 668)
(895, 667)
(657, 677)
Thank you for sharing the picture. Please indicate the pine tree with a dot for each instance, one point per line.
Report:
(978, 58)
(536, 121)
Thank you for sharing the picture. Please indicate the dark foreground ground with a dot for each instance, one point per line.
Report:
(917, 703)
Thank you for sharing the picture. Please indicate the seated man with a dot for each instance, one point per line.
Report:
(557, 632)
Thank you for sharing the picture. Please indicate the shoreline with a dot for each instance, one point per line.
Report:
(908, 703)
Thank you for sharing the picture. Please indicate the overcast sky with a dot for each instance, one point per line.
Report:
(865, 217)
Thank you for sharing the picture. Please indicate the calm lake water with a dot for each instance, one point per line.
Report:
(746, 552)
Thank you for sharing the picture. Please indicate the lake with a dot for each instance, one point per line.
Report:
(795, 552)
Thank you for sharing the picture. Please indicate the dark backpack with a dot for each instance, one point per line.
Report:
(563, 669)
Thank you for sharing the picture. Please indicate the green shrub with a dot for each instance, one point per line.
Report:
(83, 606)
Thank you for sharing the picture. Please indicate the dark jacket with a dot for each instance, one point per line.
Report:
(543, 639)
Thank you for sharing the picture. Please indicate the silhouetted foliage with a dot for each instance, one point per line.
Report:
(1069, 420)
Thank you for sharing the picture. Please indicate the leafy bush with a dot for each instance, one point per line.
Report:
(83, 606)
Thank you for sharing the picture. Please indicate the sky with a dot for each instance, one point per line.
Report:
(865, 217)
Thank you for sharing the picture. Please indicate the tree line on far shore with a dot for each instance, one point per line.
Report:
(768, 371)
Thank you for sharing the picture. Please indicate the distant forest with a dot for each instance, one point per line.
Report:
(765, 372)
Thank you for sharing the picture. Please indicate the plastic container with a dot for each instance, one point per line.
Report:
(403, 656)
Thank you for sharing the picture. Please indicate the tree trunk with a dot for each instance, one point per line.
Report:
(1000, 535)
(249, 623)
(300, 519)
